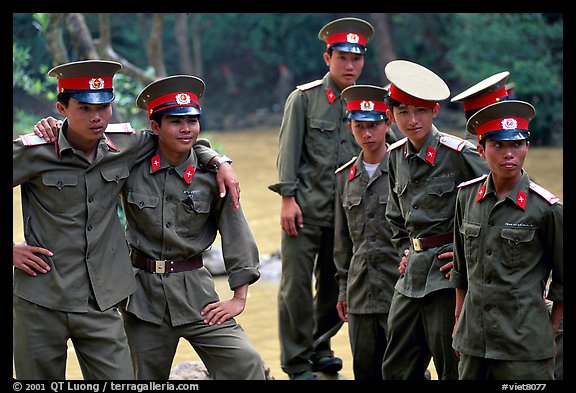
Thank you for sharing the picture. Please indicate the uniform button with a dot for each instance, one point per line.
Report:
(415, 207)
(89, 227)
(167, 225)
(342, 141)
(90, 200)
(488, 252)
(372, 238)
(487, 307)
(370, 215)
(170, 171)
(117, 177)
(169, 198)
(59, 184)
(370, 193)
(141, 204)
(487, 281)
(490, 224)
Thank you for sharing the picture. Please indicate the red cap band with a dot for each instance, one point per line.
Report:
(85, 83)
(350, 37)
(508, 123)
(406, 98)
(171, 100)
(366, 105)
(486, 99)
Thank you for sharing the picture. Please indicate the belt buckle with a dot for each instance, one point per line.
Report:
(160, 266)
(417, 245)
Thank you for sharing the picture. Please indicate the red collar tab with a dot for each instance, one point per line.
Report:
(330, 95)
(189, 174)
(352, 173)
(485, 100)
(155, 162)
(346, 36)
(406, 98)
(521, 199)
(366, 105)
(507, 123)
(171, 100)
(430, 154)
(85, 83)
(110, 144)
(481, 192)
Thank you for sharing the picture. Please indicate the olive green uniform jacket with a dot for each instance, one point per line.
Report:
(422, 199)
(504, 251)
(69, 206)
(181, 211)
(366, 261)
(314, 141)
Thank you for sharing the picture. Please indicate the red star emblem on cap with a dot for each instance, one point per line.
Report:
(330, 95)
(189, 174)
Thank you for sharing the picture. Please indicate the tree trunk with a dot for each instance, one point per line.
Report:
(383, 41)
(80, 37)
(154, 47)
(181, 34)
(54, 39)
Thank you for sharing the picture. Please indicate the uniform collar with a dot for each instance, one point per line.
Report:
(61, 144)
(428, 151)
(518, 195)
(185, 170)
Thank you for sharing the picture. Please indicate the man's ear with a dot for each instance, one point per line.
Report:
(154, 126)
(61, 108)
(480, 149)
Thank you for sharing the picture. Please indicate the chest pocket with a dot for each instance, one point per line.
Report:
(351, 205)
(192, 214)
(319, 134)
(439, 196)
(62, 191)
(141, 200)
(516, 243)
(471, 232)
(112, 180)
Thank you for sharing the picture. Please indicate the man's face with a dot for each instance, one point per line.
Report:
(88, 121)
(345, 67)
(177, 134)
(505, 158)
(370, 135)
(415, 122)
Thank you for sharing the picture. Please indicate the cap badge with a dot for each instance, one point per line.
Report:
(182, 99)
(96, 83)
(509, 124)
(367, 105)
(353, 38)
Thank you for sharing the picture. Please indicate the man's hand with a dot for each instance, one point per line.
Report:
(342, 308)
(403, 262)
(47, 128)
(227, 178)
(24, 258)
(290, 216)
(447, 267)
(220, 311)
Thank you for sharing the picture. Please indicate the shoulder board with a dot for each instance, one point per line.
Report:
(453, 142)
(399, 142)
(119, 128)
(346, 165)
(467, 183)
(309, 85)
(544, 193)
(32, 140)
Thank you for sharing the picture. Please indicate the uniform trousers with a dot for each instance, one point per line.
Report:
(40, 337)
(477, 368)
(224, 349)
(367, 333)
(420, 329)
(308, 318)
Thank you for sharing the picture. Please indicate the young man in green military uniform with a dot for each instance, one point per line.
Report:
(179, 204)
(72, 231)
(424, 169)
(313, 142)
(508, 239)
(366, 261)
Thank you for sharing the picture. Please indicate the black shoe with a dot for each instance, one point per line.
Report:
(303, 376)
(328, 365)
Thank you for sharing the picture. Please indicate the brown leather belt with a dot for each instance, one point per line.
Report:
(427, 242)
(167, 265)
